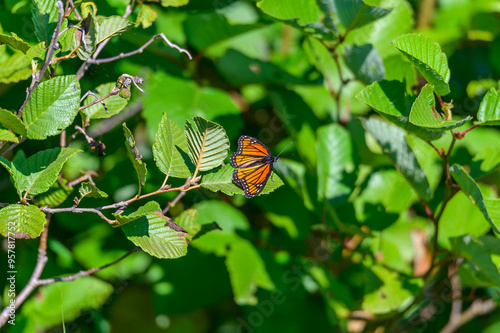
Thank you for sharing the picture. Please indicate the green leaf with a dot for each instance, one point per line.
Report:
(148, 208)
(67, 298)
(428, 58)
(216, 29)
(393, 142)
(52, 107)
(390, 100)
(365, 62)
(7, 136)
(355, 13)
(335, 163)
(44, 15)
(187, 221)
(38, 53)
(37, 173)
(113, 26)
(423, 112)
(240, 69)
(21, 221)
(470, 188)
(170, 149)
(306, 11)
(15, 68)
(14, 41)
(489, 109)
(389, 296)
(135, 157)
(10, 121)
(222, 180)
(114, 103)
(87, 48)
(147, 15)
(152, 236)
(55, 196)
(174, 3)
(207, 142)
(187, 99)
(89, 190)
(461, 217)
(247, 272)
(477, 270)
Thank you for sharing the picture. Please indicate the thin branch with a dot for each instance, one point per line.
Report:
(108, 124)
(88, 272)
(477, 308)
(12, 146)
(440, 153)
(37, 272)
(77, 14)
(177, 198)
(37, 77)
(460, 135)
(99, 100)
(140, 50)
(86, 177)
(121, 204)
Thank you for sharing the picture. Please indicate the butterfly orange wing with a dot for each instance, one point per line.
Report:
(253, 179)
(251, 173)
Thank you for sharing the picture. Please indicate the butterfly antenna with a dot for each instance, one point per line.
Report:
(283, 149)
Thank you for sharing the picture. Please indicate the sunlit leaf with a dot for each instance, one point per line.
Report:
(21, 221)
(428, 58)
(470, 188)
(170, 149)
(52, 107)
(207, 142)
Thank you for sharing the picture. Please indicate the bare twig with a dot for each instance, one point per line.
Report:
(97, 97)
(140, 50)
(177, 198)
(12, 146)
(108, 124)
(77, 14)
(99, 100)
(456, 292)
(88, 272)
(86, 177)
(460, 135)
(477, 308)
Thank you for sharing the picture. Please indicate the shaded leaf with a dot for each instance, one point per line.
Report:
(355, 13)
(147, 15)
(365, 62)
(55, 196)
(335, 162)
(15, 68)
(470, 188)
(68, 298)
(44, 16)
(247, 272)
(477, 268)
(489, 109)
(135, 157)
(393, 142)
(21, 221)
(52, 107)
(10, 121)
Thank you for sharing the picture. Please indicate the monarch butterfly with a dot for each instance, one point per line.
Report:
(253, 163)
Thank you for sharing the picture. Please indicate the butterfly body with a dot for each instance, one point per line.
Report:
(253, 163)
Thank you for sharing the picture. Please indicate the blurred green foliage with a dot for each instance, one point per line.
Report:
(383, 209)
